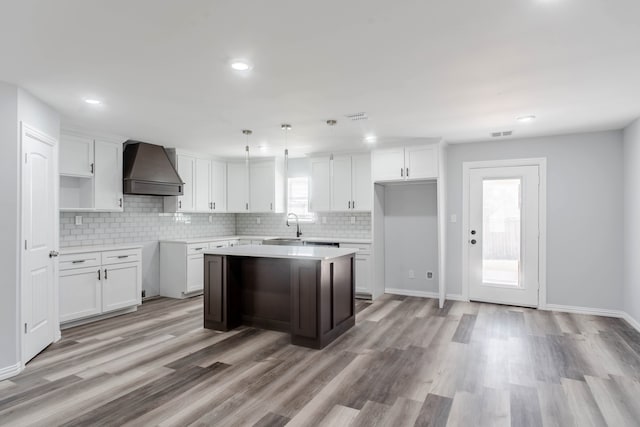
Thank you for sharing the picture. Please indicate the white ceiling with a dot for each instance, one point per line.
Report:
(457, 69)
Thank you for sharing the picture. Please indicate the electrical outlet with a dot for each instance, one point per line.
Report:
(353, 220)
(429, 275)
(78, 220)
(144, 293)
(258, 220)
(412, 274)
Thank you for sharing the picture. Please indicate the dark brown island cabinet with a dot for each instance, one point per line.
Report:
(306, 291)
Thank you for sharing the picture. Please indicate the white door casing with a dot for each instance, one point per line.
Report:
(503, 243)
(38, 289)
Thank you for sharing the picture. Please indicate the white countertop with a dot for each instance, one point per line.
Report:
(291, 252)
(307, 239)
(84, 249)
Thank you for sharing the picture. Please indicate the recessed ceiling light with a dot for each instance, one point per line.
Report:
(525, 119)
(240, 65)
(92, 101)
(370, 139)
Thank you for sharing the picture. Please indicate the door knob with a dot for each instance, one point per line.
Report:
(473, 232)
(473, 241)
(53, 254)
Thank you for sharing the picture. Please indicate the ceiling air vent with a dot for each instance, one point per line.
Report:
(357, 116)
(501, 134)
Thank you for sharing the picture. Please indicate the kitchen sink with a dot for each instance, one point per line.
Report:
(293, 241)
(284, 241)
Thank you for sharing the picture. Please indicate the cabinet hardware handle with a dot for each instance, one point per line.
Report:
(92, 168)
(407, 172)
(353, 204)
(247, 206)
(105, 274)
(99, 274)
(271, 206)
(198, 249)
(123, 256)
(210, 205)
(214, 206)
(402, 172)
(120, 201)
(179, 204)
(78, 261)
(349, 204)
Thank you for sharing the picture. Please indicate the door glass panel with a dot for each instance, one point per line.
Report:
(501, 218)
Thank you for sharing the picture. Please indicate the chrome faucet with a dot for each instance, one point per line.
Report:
(298, 232)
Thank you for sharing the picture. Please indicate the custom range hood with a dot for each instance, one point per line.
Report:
(148, 171)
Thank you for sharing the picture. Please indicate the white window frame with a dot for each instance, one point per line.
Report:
(308, 217)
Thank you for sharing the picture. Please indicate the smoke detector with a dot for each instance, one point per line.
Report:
(357, 116)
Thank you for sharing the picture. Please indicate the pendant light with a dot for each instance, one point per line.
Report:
(246, 133)
(332, 123)
(286, 128)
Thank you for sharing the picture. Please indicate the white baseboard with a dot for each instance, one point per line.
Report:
(584, 310)
(630, 320)
(408, 293)
(456, 297)
(10, 371)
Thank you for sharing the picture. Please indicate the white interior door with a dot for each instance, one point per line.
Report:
(39, 222)
(503, 235)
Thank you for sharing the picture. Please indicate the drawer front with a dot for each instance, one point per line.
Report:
(82, 260)
(219, 244)
(197, 248)
(120, 256)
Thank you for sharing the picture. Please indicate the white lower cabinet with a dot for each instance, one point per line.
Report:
(94, 283)
(195, 273)
(364, 284)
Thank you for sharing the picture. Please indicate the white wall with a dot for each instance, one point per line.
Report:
(16, 105)
(584, 213)
(411, 237)
(9, 262)
(631, 291)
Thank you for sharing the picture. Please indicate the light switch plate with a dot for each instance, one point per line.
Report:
(78, 220)
(412, 274)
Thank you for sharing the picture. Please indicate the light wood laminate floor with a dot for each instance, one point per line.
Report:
(405, 363)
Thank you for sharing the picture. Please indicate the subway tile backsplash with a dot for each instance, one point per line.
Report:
(338, 224)
(142, 220)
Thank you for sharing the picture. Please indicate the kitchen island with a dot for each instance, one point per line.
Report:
(306, 291)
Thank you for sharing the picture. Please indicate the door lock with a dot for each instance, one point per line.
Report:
(473, 241)
(53, 254)
(473, 232)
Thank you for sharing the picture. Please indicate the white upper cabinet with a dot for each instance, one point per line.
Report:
(266, 185)
(237, 187)
(341, 184)
(90, 174)
(202, 185)
(108, 176)
(388, 164)
(361, 185)
(186, 167)
(218, 201)
(421, 162)
(405, 163)
(320, 192)
(76, 156)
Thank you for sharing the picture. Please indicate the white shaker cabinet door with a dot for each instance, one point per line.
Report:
(80, 294)
(237, 187)
(120, 286)
(320, 191)
(195, 273)
(186, 170)
(202, 185)
(108, 176)
(262, 186)
(76, 156)
(362, 187)
(388, 165)
(341, 184)
(218, 186)
(421, 162)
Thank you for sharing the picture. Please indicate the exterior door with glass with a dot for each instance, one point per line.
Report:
(503, 235)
